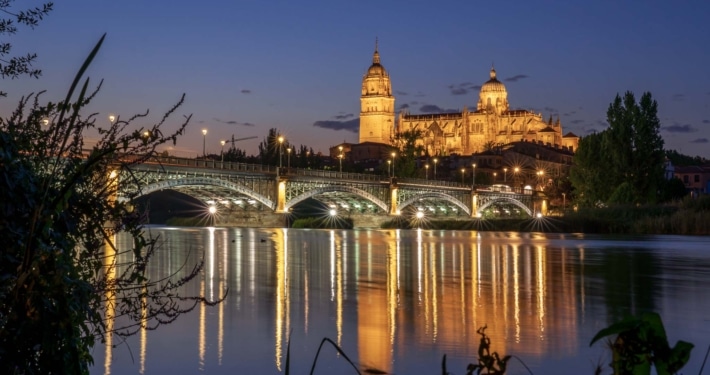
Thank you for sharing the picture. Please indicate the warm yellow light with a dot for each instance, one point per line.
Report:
(222, 142)
(281, 139)
(288, 150)
(204, 131)
(146, 134)
(111, 118)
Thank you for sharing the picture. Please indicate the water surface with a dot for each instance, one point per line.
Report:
(398, 300)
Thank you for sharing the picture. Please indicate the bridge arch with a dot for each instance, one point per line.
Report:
(508, 200)
(336, 188)
(430, 194)
(205, 181)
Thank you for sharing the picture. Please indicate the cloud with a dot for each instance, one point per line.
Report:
(463, 88)
(232, 122)
(419, 94)
(678, 97)
(700, 140)
(350, 125)
(403, 106)
(602, 123)
(431, 108)
(515, 78)
(550, 109)
(570, 113)
(706, 121)
(246, 91)
(680, 128)
(343, 116)
(577, 122)
(402, 93)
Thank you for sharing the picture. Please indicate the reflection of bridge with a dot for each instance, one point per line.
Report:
(249, 187)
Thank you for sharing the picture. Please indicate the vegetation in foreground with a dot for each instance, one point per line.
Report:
(639, 345)
(62, 285)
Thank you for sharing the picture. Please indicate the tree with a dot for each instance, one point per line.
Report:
(408, 150)
(629, 152)
(61, 285)
(634, 141)
(15, 66)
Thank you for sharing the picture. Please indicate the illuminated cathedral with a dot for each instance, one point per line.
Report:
(492, 123)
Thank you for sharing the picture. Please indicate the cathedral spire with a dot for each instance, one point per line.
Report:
(376, 55)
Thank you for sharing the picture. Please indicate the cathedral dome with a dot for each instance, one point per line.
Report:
(493, 84)
(493, 96)
(376, 69)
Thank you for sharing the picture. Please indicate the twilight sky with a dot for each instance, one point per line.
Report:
(248, 66)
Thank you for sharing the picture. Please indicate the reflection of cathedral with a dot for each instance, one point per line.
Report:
(465, 132)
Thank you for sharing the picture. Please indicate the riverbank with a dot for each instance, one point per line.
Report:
(689, 217)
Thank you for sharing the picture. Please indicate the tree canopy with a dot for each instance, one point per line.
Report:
(625, 162)
(16, 66)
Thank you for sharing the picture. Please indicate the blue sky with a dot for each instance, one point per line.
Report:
(248, 66)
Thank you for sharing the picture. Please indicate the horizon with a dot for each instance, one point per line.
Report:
(248, 67)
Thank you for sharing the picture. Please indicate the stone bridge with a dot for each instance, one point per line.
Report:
(239, 190)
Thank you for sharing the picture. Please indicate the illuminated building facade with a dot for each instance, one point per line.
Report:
(465, 132)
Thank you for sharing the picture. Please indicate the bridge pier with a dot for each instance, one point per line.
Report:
(394, 191)
(474, 204)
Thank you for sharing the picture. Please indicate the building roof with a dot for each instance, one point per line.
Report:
(493, 84)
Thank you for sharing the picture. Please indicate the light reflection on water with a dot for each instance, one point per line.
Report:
(398, 300)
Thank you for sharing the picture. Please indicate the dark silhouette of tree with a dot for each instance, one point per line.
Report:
(16, 66)
(62, 286)
(407, 151)
(628, 156)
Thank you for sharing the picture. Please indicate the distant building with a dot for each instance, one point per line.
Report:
(696, 178)
(466, 132)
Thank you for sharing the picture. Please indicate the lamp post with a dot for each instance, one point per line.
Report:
(111, 118)
(505, 175)
(563, 202)
(288, 158)
(389, 168)
(540, 173)
(426, 168)
(515, 174)
(204, 142)
(222, 142)
(394, 154)
(435, 161)
(463, 174)
(495, 176)
(281, 142)
(473, 176)
(340, 157)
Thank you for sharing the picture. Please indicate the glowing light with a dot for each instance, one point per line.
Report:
(539, 215)
(212, 209)
(420, 214)
(112, 118)
(333, 212)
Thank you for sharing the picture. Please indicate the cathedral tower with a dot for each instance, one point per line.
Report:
(376, 104)
(494, 96)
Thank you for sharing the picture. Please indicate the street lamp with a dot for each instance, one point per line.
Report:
(340, 157)
(473, 177)
(463, 174)
(288, 158)
(426, 168)
(204, 142)
(515, 175)
(389, 168)
(222, 142)
(505, 175)
(394, 154)
(281, 141)
(111, 118)
(435, 161)
(495, 176)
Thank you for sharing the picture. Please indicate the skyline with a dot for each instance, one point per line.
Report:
(249, 66)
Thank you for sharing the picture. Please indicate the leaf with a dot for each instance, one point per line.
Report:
(624, 325)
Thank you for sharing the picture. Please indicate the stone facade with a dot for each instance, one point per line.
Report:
(467, 132)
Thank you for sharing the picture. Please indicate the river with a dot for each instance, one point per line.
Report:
(398, 300)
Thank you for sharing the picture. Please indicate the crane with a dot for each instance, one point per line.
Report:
(239, 139)
(232, 141)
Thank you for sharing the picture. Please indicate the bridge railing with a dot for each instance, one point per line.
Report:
(212, 164)
(332, 174)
